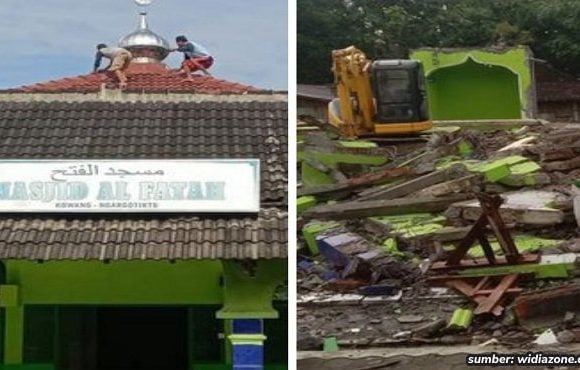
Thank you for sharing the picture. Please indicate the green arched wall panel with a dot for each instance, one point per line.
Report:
(473, 83)
(473, 91)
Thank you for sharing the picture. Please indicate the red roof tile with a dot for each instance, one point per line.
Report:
(142, 78)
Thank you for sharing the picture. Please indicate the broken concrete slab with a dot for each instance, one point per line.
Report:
(526, 207)
(311, 230)
(547, 338)
(410, 319)
(530, 179)
(323, 299)
(338, 249)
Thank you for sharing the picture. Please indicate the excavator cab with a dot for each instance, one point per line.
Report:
(399, 91)
(385, 97)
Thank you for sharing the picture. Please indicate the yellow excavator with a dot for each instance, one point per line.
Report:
(380, 98)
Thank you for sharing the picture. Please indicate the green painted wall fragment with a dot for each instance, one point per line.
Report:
(304, 203)
(412, 218)
(525, 168)
(498, 169)
(524, 243)
(390, 246)
(330, 345)
(412, 224)
(494, 171)
(552, 271)
(461, 318)
(311, 176)
(465, 148)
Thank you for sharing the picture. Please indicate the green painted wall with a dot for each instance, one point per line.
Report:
(123, 282)
(137, 283)
(478, 83)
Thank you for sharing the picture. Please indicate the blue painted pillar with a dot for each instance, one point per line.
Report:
(247, 338)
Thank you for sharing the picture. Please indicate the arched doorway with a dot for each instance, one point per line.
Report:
(474, 91)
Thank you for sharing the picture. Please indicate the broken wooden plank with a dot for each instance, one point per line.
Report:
(518, 145)
(549, 155)
(489, 304)
(402, 206)
(468, 291)
(433, 155)
(417, 184)
(347, 187)
(568, 165)
(462, 184)
(551, 303)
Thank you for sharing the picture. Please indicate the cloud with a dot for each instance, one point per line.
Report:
(48, 39)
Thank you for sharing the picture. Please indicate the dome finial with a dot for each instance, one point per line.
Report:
(143, 3)
(143, 25)
(145, 45)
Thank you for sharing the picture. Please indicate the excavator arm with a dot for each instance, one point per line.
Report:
(354, 109)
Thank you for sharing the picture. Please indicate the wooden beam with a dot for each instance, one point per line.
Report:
(489, 304)
(353, 210)
(417, 184)
(347, 187)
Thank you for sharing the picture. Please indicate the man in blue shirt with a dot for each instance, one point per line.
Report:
(195, 57)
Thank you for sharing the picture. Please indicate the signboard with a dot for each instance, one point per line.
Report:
(156, 186)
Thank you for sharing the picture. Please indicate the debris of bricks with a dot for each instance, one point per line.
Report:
(457, 236)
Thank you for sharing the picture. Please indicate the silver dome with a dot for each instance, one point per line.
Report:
(145, 45)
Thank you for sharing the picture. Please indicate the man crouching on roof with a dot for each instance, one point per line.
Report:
(119, 62)
(195, 57)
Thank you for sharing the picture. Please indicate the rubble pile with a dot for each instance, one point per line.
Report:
(445, 238)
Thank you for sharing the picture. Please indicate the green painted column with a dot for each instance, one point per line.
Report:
(14, 335)
(249, 288)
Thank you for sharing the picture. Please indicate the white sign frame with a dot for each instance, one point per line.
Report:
(136, 185)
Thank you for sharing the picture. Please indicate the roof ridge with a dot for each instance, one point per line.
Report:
(145, 78)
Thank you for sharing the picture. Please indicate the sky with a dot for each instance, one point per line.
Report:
(42, 40)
